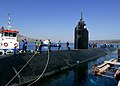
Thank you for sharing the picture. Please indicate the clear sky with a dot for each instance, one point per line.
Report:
(56, 19)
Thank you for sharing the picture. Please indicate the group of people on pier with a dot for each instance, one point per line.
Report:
(39, 44)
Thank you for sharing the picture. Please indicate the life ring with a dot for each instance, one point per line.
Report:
(5, 44)
(16, 45)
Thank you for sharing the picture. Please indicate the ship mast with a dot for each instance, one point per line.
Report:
(9, 26)
(81, 15)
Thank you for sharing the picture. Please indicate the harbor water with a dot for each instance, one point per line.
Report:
(80, 75)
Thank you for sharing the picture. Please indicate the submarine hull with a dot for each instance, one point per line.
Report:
(59, 60)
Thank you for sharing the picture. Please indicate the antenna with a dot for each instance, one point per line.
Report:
(9, 26)
(81, 15)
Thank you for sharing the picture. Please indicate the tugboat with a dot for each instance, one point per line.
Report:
(8, 39)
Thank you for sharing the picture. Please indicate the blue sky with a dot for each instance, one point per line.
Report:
(56, 19)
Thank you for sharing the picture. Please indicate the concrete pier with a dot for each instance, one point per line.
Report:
(59, 60)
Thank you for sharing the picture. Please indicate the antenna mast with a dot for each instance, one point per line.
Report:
(81, 15)
(9, 26)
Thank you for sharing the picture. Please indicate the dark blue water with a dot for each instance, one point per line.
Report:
(80, 75)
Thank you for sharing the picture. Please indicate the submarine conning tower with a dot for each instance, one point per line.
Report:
(81, 35)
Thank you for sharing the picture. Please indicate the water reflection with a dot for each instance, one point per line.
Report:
(64, 78)
(80, 74)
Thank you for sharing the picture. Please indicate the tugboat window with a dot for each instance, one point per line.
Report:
(2, 35)
(14, 34)
(6, 34)
(10, 34)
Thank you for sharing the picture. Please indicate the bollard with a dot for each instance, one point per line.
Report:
(119, 54)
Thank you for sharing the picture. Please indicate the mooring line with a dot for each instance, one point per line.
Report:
(21, 69)
(43, 70)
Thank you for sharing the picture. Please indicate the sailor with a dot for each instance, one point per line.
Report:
(25, 43)
(67, 45)
(59, 45)
(36, 45)
(49, 45)
(40, 45)
(23, 47)
(16, 50)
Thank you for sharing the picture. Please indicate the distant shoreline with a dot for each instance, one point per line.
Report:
(30, 40)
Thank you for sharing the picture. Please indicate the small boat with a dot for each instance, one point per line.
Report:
(8, 40)
(100, 69)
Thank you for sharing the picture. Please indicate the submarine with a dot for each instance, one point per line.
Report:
(26, 68)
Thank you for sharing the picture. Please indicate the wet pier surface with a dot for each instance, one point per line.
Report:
(59, 60)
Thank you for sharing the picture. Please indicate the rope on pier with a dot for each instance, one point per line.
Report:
(21, 69)
(43, 70)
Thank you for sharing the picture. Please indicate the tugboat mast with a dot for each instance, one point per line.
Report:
(9, 26)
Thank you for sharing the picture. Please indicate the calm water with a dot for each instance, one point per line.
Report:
(80, 75)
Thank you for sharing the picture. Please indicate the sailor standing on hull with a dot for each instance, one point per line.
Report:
(36, 45)
(67, 45)
(49, 45)
(25, 45)
(24, 48)
(59, 45)
(40, 46)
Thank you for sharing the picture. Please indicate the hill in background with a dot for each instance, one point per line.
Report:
(105, 41)
(20, 37)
